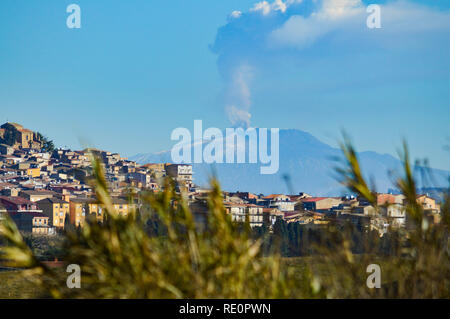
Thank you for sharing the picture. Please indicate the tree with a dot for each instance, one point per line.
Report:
(47, 145)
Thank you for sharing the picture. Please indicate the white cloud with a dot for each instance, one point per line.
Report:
(279, 5)
(336, 9)
(299, 31)
(265, 7)
(271, 31)
(235, 14)
(348, 17)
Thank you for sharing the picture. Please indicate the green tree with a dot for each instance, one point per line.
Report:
(47, 144)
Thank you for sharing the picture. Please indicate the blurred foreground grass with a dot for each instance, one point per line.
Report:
(14, 285)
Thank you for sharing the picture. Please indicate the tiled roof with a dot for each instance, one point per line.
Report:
(274, 196)
(52, 200)
(118, 201)
(313, 199)
(84, 200)
(16, 200)
(39, 192)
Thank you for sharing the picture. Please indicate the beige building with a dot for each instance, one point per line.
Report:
(320, 203)
(427, 202)
(82, 207)
(36, 195)
(122, 206)
(56, 209)
(365, 210)
(23, 138)
(243, 212)
(181, 173)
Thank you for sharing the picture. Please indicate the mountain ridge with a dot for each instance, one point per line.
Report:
(306, 165)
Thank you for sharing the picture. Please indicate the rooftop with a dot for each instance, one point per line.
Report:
(16, 200)
(52, 200)
(313, 199)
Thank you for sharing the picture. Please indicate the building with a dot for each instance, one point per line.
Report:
(182, 175)
(277, 198)
(36, 195)
(56, 209)
(386, 199)
(35, 223)
(427, 202)
(140, 178)
(295, 217)
(430, 208)
(156, 170)
(82, 207)
(236, 211)
(255, 215)
(26, 214)
(33, 172)
(122, 206)
(246, 212)
(10, 191)
(19, 205)
(395, 213)
(367, 210)
(301, 195)
(271, 215)
(320, 203)
(279, 201)
(244, 195)
(6, 149)
(17, 136)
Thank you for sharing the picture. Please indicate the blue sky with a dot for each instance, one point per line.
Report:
(138, 69)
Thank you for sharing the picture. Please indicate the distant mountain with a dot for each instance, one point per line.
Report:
(306, 165)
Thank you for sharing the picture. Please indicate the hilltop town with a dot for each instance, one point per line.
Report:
(44, 189)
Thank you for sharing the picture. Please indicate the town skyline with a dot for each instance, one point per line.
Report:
(46, 189)
(18, 144)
